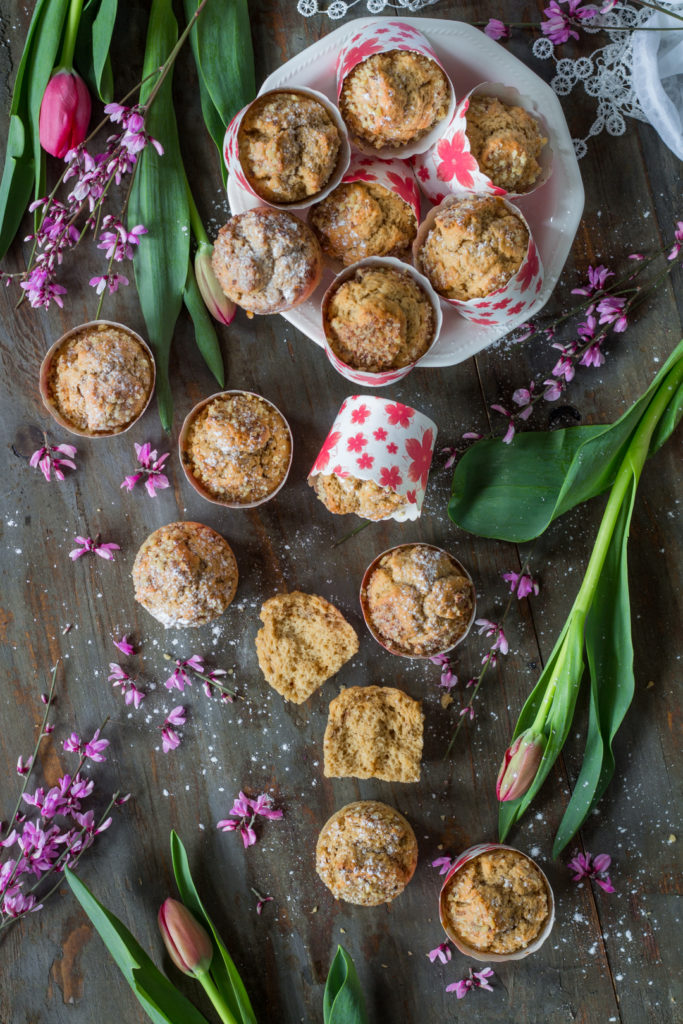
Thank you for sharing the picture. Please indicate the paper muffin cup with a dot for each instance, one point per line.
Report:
(381, 37)
(449, 168)
(46, 371)
(395, 175)
(234, 165)
(382, 377)
(184, 462)
(389, 443)
(512, 298)
(478, 954)
(385, 642)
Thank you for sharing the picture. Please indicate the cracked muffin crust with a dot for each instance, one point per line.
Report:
(367, 499)
(379, 319)
(473, 248)
(237, 448)
(288, 146)
(185, 574)
(394, 98)
(505, 141)
(266, 260)
(366, 853)
(360, 219)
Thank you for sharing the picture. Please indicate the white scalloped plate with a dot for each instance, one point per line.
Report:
(553, 211)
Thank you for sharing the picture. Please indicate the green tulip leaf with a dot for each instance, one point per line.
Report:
(226, 56)
(205, 332)
(343, 1001)
(43, 58)
(212, 119)
(102, 32)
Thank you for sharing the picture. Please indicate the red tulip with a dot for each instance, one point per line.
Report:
(520, 765)
(188, 944)
(64, 113)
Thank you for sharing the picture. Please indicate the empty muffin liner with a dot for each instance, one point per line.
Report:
(381, 37)
(382, 377)
(46, 371)
(512, 298)
(375, 439)
(384, 641)
(449, 168)
(197, 484)
(234, 166)
(478, 954)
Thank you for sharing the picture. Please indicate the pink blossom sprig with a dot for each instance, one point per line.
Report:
(170, 739)
(244, 813)
(118, 677)
(448, 677)
(87, 545)
(49, 459)
(592, 867)
(186, 668)
(474, 980)
(522, 584)
(151, 466)
(564, 20)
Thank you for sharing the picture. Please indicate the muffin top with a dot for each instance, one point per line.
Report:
(379, 319)
(361, 218)
(417, 601)
(100, 379)
(238, 448)
(185, 574)
(497, 902)
(394, 98)
(473, 248)
(505, 141)
(366, 853)
(344, 494)
(265, 260)
(288, 146)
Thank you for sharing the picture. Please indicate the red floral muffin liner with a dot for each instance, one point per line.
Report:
(395, 175)
(478, 954)
(449, 168)
(380, 37)
(375, 439)
(513, 298)
(233, 163)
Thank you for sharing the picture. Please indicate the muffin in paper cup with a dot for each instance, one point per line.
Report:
(393, 647)
(382, 377)
(185, 454)
(387, 444)
(449, 168)
(231, 155)
(481, 954)
(514, 297)
(395, 175)
(50, 364)
(382, 37)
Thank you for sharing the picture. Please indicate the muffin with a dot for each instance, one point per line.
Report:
(288, 146)
(237, 448)
(266, 260)
(378, 319)
(394, 98)
(416, 601)
(362, 218)
(304, 641)
(99, 380)
(374, 732)
(185, 574)
(473, 248)
(366, 853)
(498, 902)
(344, 494)
(505, 141)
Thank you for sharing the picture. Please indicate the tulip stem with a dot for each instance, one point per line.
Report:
(73, 20)
(198, 229)
(219, 1003)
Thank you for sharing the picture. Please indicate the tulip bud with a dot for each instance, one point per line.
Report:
(218, 304)
(520, 765)
(64, 113)
(188, 944)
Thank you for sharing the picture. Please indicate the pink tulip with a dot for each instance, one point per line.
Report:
(64, 113)
(188, 944)
(520, 765)
(218, 304)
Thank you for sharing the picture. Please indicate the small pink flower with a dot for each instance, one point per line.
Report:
(441, 952)
(523, 583)
(72, 745)
(88, 545)
(678, 235)
(510, 432)
(581, 865)
(170, 739)
(96, 747)
(611, 310)
(489, 629)
(124, 645)
(444, 864)
(48, 462)
(476, 979)
(151, 470)
(497, 29)
(176, 717)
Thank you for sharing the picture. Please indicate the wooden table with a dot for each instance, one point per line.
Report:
(610, 957)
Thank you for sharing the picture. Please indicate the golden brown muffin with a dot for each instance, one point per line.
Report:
(497, 902)
(394, 98)
(505, 141)
(100, 379)
(361, 218)
(304, 641)
(266, 260)
(185, 574)
(374, 732)
(366, 853)
(288, 146)
(417, 601)
(238, 448)
(473, 248)
(379, 319)
(367, 499)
